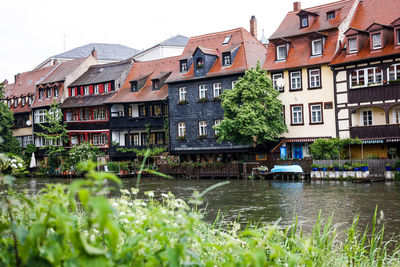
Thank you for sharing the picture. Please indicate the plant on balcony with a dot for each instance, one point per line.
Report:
(183, 102)
(356, 167)
(219, 164)
(113, 166)
(206, 165)
(364, 166)
(203, 100)
(397, 165)
(314, 167)
(388, 167)
(181, 138)
(202, 136)
(394, 81)
(323, 168)
(196, 165)
(336, 166)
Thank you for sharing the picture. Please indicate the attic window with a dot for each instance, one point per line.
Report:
(200, 63)
(352, 45)
(15, 102)
(398, 36)
(304, 22)
(281, 52)
(316, 47)
(23, 101)
(376, 41)
(183, 65)
(156, 84)
(133, 86)
(330, 15)
(227, 39)
(226, 59)
(9, 103)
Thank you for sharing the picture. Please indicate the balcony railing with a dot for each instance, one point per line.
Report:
(374, 93)
(136, 122)
(376, 131)
(88, 125)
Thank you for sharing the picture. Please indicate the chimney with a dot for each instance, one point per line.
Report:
(5, 82)
(296, 6)
(94, 53)
(253, 26)
(16, 77)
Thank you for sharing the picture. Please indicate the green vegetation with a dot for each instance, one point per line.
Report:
(252, 110)
(82, 152)
(333, 148)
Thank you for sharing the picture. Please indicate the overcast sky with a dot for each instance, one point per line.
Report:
(33, 30)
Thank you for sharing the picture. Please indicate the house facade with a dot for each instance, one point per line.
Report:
(366, 77)
(299, 53)
(209, 65)
(139, 110)
(85, 111)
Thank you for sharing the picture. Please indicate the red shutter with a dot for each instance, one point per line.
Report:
(82, 91)
(101, 89)
(109, 87)
(91, 89)
(69, 92)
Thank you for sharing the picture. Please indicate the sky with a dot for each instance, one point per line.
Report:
(33, 30)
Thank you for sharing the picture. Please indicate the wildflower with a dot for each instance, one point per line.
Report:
(149, 193)
(122, 213)
(134, 190)
(164, 195)
(20, 165)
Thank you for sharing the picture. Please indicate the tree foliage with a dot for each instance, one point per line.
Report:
(333, 148)
(252, 110)
(83, 152)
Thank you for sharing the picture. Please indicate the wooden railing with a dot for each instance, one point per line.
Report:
(374, 93)
(375, 131)
(229, 170)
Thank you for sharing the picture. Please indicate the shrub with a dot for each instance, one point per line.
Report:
(113, 166)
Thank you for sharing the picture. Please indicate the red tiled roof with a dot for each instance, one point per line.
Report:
(62, 70)
(250, 52)
(368, 12)
(145, 72)
(290, 26)
(45, 102)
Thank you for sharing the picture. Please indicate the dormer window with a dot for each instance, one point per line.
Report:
(41, 94)
(226, 59)
(281, 52)
(352, 45)
(200, 63)
(316, 47)
(183, 65)
(105, 87)
(304, 22)
(227, 39)
(55, 93)
(30, 100)
(48, 93)
(376, 41)
(86, 88)
(133, 86)
(9, 103)
(15, 102)
(156, 84)
(398, 36)
(330, 15)
(96, 89)
(23, 101)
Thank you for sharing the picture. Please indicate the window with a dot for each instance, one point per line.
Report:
(202, 128)
(352, 45)
(95, 114)
(30, 100)
(316, 113)
(297, 114)
(15, 102)
(330, 15)
(202, 91)
(281, 52)
(233, 83)
(182, 93)
(227, 39)
(226, 59)
(376, 41)
(156, 110)
(217, 89)
(40, 141)
(73, 91)
(295, 80)
(396, 115)
(164, 109)
(275, 78)
(48, 93)
(86, 88)
(181, 129)
(27, 140)
(41, 94)
(75, 115)
(365, 77)
(394, 72)
(55, 92)
(183, 65)
(216, 122)
(304, 22)
(84, 114)
(106, 89)
(366, 117)
(40, 116)
(314, 78)
(200, 63)
(23, 101)
(398, 36)
(156, 84)
(142, 111)
(133, 86)
(316, 47)
(102, 114)
(96, 89)
(9, 103)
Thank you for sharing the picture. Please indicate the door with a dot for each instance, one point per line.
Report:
(297, 151)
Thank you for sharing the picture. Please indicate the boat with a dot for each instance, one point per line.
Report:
(295, 169)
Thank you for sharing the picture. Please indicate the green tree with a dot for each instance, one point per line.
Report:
(83, 152)
(55, 134)
(252, 110)
(10, 144)
(333, 148)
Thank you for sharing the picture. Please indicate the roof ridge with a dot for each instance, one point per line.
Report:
(215, 33)
(122, 62)
(36, 70)
(323, 5)
(245, 49)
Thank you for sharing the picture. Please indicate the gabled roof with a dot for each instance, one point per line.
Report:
(177, 40)
(250, 51)
(375, 26)
(62, 70)
(290, 26)
(102, 73)
(143, 73)
(114, 52)
(87, 100)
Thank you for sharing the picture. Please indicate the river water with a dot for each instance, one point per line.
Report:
(269, 201)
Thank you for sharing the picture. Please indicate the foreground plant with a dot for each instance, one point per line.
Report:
(77, 225)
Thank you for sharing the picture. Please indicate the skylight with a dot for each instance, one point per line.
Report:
(227, 39)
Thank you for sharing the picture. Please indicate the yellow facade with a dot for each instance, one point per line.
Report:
(369, 150)
(378, 116)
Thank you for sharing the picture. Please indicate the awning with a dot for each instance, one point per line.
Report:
(373, 141)
(302, 140)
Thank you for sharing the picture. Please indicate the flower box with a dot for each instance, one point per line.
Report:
(183, 102)
(202, 136)
(203, 100)
(181, 138)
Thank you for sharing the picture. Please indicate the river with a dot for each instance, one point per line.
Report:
(269, 201)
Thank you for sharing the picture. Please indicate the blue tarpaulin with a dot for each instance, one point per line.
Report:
(287, 169)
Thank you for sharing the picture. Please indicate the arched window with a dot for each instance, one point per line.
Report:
(200, 63)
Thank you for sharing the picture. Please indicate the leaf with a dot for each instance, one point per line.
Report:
(89, 249)
(84, 196)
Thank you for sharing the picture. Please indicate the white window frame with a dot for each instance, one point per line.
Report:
(297, 115)
(353, 41)
(86, 90)
(105, 87)
(364, 72)
(304, 19)
(182, 93)
(275, 77)
(314, 50)
(217, 89)
(15, 102)
(30, 100)
(315, 79)
(280, 56)
(216, 122)
(102, 114)
(295, 80)
(73, 91)
(202, 127)
(316, 115)
(233, 83)
(396, 115)
(23, 101)
(96, 90)
(396, 70)
(368, 122)
(181, 129)
(41, 94)
(202, 91)
(48, 93)
(55, 90)
(376, 42)
(40, 116)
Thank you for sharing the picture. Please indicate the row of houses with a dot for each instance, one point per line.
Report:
(336, 66)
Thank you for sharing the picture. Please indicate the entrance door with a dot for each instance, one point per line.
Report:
(297, 151)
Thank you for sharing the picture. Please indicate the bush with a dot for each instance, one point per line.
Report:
(113, 166)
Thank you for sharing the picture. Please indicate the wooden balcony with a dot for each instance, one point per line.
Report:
(122, 123)
(374, 93)
(376, 131)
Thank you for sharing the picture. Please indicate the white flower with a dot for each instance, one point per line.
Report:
(13, 160)
(13, 166)
(125, 220)
(149, 193)
(164, 195)
(122, 213)
(20, 165)
(114, 204)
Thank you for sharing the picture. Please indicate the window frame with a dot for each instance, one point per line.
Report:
(40, 115)
(366, 123)
(15, 102)
(41, 94)
(278, 58)
(226, 59)
(23, 101)
(292, 117)
(290, 80)
(202, 89)
(182, 91)
(374, 45)
(86, 90)
(274, 85)
(105, 88)
(397, 36)
(304, 18)
(183, 65)
(313, 52)
(181, 129)
(156, 84)
(349, 40)
(217, 89)
(96, 89)
(55, 91)
(310, 111)
(202, 128)
(310, 76)
(48, 93)
(216, 122)
(366, 77)
(133, 86)
(396, 71)
(330, 13)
